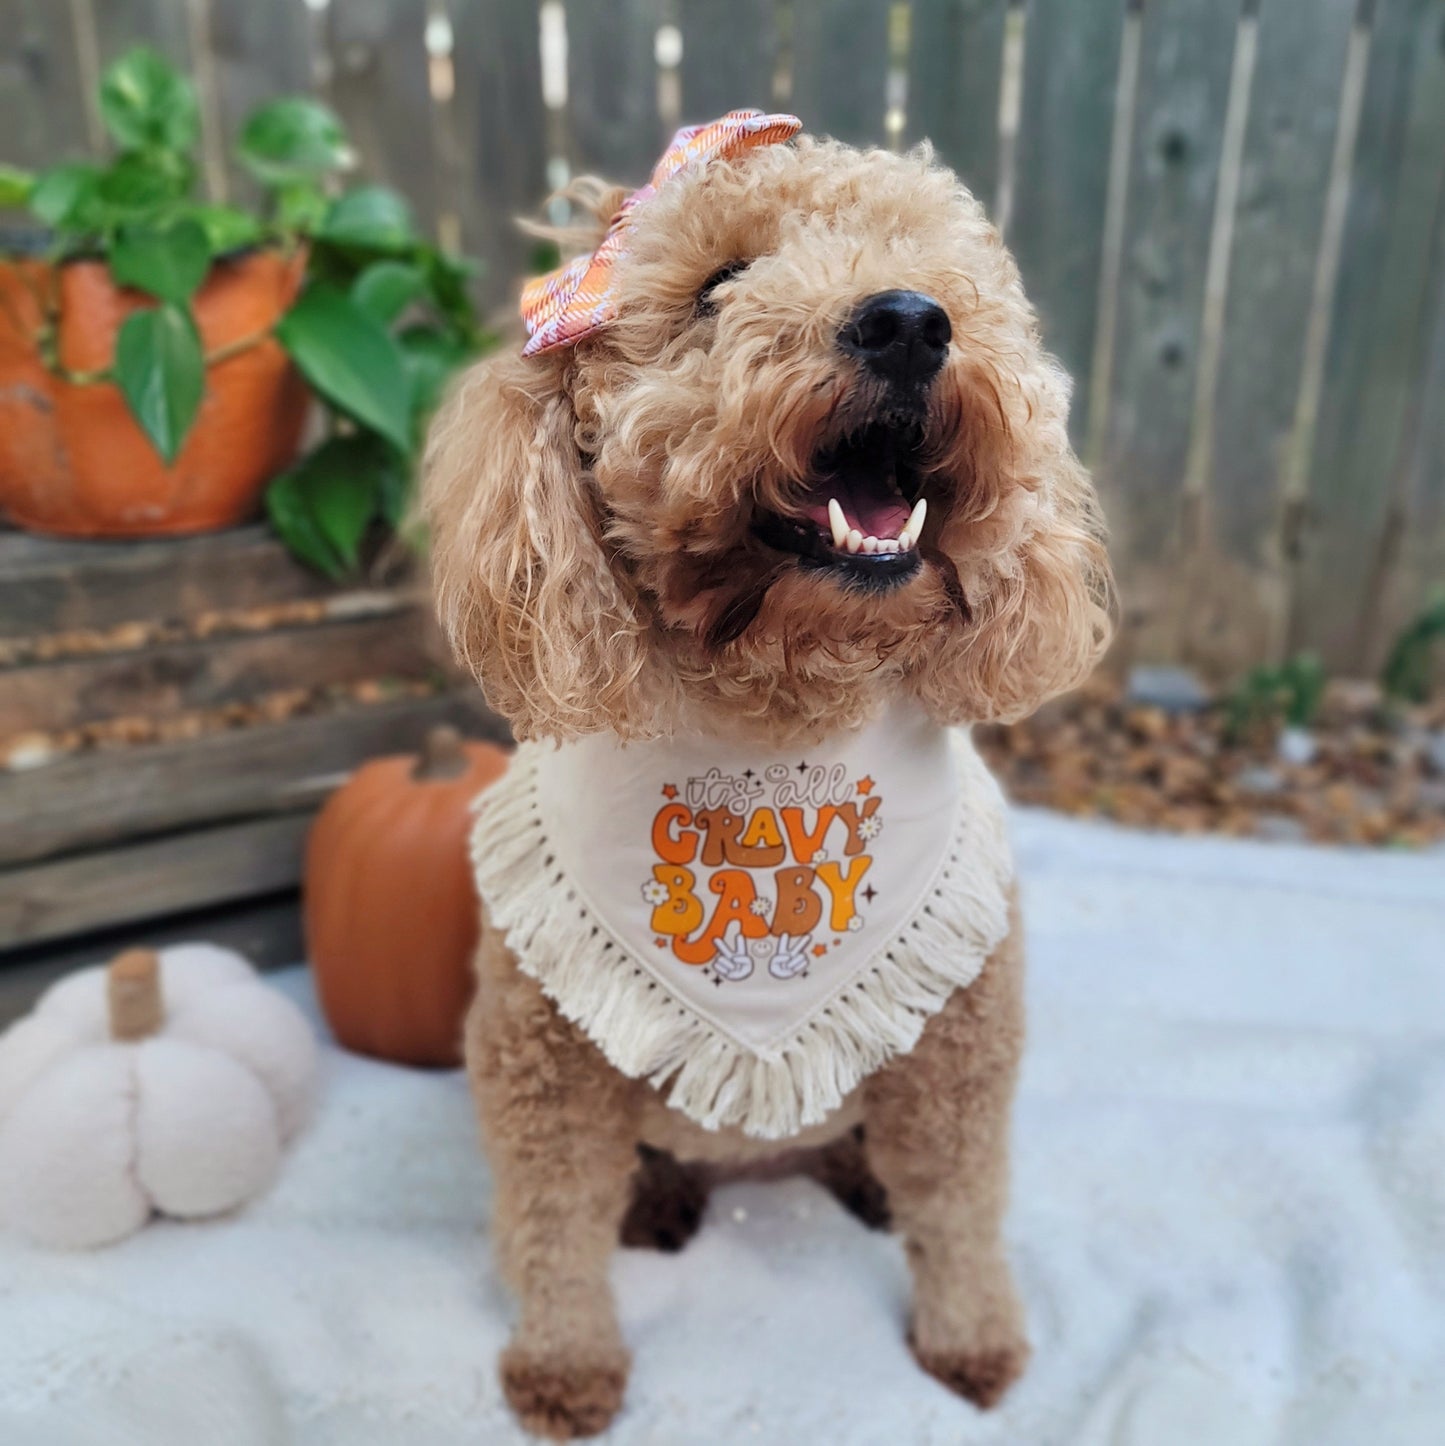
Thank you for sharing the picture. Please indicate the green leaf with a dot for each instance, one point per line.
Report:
(300, 205)
(1408, 675)
(394, 493)
(431, 358)
(543, 257)
(143, 182)
(350, 359)
(386, 288)
(161, 371)
(339, 494)
(324, 505)
(373, 217)
(170, 263)
(448, 278)
(343, 506)
(293, 139)
(387, 470)
(226, 228)
(15, 186)
(290, 514)
(147, 104)
(63, 193)
(1304, 677)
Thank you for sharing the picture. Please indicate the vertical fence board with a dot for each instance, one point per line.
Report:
(1376, 343)
(1186, 57)
(1284, 176)
(614, 131)
(501, 124)
(161, 24)
(729, 53)
(1283, 181)
(840, 68)
(42, 99)
(1071, 66)
(259, 49)
(379, 88)
(1418, 574)
(955, 72)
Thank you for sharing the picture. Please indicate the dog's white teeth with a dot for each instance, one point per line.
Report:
(852, 539)
(915, 519)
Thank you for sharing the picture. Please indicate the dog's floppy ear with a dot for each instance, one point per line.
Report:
(522, 580)
(1035, 572)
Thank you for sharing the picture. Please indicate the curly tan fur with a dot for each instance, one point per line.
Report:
(595, 564)
(590, 509)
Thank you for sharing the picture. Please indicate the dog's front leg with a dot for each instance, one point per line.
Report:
(558, 1122)
(936, 1136)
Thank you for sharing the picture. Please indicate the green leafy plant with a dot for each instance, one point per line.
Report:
(1409, 673)
(382, 321)
(1267, 697)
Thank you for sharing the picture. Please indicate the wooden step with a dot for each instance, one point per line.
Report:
(54, 585)
(104, 642)
(94, 799)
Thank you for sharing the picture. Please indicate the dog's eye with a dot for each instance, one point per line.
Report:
(705, 303)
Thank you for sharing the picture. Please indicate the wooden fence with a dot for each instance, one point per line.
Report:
(1228, 212)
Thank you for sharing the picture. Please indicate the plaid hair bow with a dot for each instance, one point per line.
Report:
(580, 298)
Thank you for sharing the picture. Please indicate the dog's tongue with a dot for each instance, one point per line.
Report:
(868, 500)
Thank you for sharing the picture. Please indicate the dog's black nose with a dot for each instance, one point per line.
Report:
(901, 336)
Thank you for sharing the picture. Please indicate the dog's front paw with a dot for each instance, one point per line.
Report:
(563, 1397)
(982, 1375)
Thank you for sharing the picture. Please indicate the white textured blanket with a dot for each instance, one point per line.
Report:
(1229, 1218)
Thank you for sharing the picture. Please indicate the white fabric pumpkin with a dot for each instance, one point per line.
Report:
(165, 1082)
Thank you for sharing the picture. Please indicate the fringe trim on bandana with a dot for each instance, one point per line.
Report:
(645, 1033)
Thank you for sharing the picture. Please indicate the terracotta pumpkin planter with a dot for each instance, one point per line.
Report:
(74, 461)
(390, 908)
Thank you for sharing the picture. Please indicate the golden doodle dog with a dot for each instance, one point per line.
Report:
(777, 499)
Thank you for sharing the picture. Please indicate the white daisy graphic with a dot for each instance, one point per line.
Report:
(654, 892)
(760, 907)
(820, 856)
(855, 923)
(871, 827)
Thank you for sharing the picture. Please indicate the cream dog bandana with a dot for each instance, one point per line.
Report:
(754, 932)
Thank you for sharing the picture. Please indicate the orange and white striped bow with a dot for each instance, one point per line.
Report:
(580, 298)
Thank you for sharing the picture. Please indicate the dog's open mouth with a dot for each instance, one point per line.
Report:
(861, 515)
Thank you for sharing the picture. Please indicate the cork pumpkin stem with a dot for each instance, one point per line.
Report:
(442, 756)
(133, 992)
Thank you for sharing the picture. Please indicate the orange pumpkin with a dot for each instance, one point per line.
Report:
(390, 907)
(74, 461)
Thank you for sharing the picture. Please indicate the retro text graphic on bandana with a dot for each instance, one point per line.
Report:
(763, 871)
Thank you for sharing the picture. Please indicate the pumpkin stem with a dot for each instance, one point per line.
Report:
(133, 992)
(442, 756)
